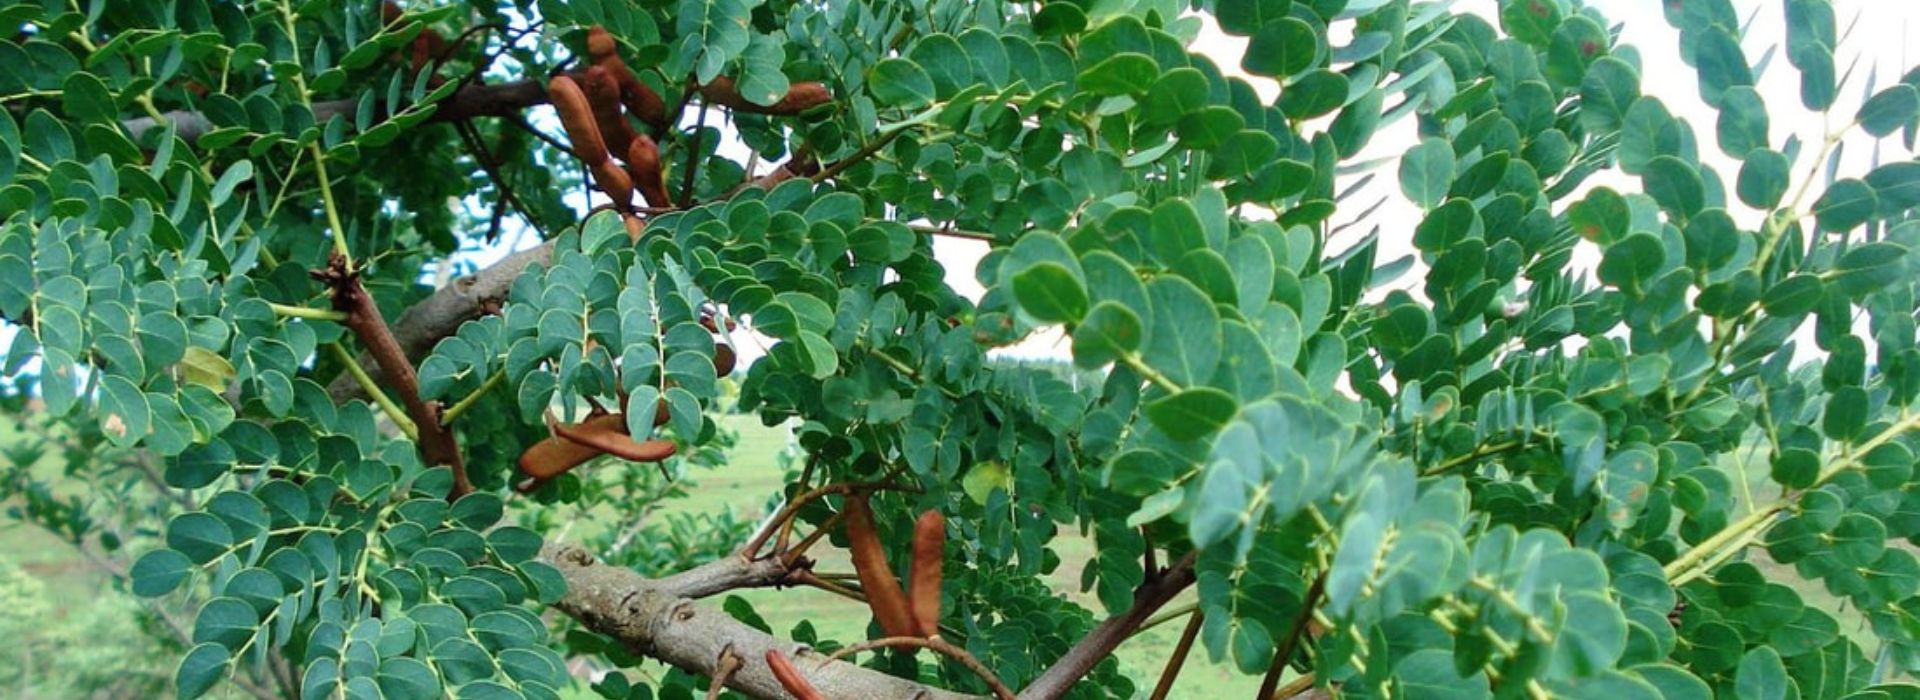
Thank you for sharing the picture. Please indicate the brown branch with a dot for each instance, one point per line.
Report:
(752, 548)
(436, 443)
(1100, 643)
(439, 315)
(1178, 660)
(965, 658)
(729, 663)
(655, 618)
(497, 100)
(693, 158)
(1284, 654)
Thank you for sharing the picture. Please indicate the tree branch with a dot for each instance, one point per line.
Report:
(435, 441)
(466, 103)
(439, 315)
(1101, 642)
(658, 619)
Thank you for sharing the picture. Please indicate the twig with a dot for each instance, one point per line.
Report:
(1293, 687)
(379, 396)
(752, 548)
(729, 662)
(471, 136)
(524, 125)
(464, 404)
(1000, 690)
(693, 158)
(1179, 659)
(864, 153)
(435, 441)
(1285, 653)
(1100, 643)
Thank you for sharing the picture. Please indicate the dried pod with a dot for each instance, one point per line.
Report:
(600, 44)
(614, 182)
(884, 596)
(724, 359)
(603, 93)
(555, 455)
(923, 584)
(643, 161)
(790, 678)
(800, 97)
(576, 115)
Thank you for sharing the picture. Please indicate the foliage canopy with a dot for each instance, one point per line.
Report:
(1509, 477)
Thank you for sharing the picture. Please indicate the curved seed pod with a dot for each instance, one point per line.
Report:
(923, 584)
(556, 455)
(614, 440)
(790, 678)
(600, 44)
(636, 227)
(643, 161)
(603, 93)
(889, 604)
(576, 114)
(614, 182)
(642, 102)
(799, 98)
(724, 359)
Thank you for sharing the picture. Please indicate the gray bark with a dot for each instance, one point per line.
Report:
(659, 619)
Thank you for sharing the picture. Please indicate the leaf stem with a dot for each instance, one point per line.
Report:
(307, 312)
(1178, 660)
(460, 407)
(373, 389)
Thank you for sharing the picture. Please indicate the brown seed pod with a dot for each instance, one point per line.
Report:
(603, 93)
(556, 455)
(642, 102)
(643, 161)
(884, 596)
(790, 678)
(613, 440)
(800, 97)
(614, 182)
(929, 557)
(636, 227)
(576, 114)
(723, 359)
(600, 44)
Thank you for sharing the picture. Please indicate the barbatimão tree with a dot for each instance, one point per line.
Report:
(1512, 463)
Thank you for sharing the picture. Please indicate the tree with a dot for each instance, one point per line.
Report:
(1513, 479)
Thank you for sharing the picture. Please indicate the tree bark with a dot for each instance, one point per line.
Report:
(1100, 643)
(466, 103)
(440, 315)
(659, 619)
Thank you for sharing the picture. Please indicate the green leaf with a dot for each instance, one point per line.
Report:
(1109, 331)
(1314, 94)
(898, 82)
(1282, 48)
(1896, 185)
(1184, 336)
(1676, 186)
(1531, 21)
(1426, 172)
(1846, 205)
(158, 572)
(1632, 263)
(1192, 413)
(1743, 123)
(1177, 93)
(204, 666)
(1846, 415)
(407, 679)
(199, 536)
(1763, 179)
(1245, 18)
(1123, 74)
(1051, 293)
(1889, 109)
(1602, 217)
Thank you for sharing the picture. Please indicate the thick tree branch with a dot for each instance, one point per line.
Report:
(1100, 643)
(658, 619)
